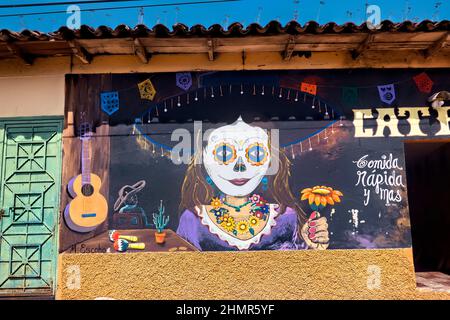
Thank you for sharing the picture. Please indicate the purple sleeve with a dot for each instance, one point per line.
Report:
(188, 228)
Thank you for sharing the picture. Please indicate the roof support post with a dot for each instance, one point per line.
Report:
(140, 51)
(363, 46)
(18, 52)
(211, 44)
(289, 49)
(80, 52)
(436, 47)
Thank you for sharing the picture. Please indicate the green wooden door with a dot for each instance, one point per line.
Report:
(30, 156)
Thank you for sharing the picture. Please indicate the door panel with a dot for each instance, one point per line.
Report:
(30, 187)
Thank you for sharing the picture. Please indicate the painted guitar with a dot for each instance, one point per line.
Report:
(88, 208)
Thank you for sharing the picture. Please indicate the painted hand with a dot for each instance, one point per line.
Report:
(315, 232)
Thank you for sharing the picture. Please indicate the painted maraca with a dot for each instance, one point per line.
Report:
(122, 245)
(114, 235)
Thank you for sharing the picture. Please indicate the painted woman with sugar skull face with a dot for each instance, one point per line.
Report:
(235, 202)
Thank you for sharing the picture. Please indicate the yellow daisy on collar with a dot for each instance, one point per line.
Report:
(216, 203)
(242, 226)
(253, 221)
(228, 224)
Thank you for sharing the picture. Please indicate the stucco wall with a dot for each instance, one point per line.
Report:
(332, 274)
(32, 96)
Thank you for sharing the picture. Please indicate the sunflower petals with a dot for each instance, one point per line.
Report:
(317, 200)
(336, 198)
(311, 199)
(330, 200)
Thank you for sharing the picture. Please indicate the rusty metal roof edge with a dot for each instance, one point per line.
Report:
(216, 30)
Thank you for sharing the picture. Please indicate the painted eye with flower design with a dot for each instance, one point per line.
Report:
(224, 153)
(256, 154)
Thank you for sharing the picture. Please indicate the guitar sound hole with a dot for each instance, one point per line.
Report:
(87, 190)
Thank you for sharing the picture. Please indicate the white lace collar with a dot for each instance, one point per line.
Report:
(232, 241)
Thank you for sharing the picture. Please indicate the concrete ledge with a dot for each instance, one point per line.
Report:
(331, 274)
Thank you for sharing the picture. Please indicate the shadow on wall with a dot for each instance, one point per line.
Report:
(428, 176)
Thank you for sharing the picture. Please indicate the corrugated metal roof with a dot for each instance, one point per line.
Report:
(216, 30)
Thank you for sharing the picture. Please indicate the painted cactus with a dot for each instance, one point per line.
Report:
(160, 220)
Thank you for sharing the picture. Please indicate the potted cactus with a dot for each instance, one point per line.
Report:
(160, 221)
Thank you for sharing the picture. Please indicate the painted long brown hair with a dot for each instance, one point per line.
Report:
(196, 192)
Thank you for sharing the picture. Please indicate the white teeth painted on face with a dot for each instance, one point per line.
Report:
(237, 157)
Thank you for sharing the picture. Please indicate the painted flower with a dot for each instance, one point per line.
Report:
(222, 218)
(216, 203)
(258, 214)
(228, 223)
(253, 221)
(265, 209)
(242, 226)
(255, 198)
(321, 196)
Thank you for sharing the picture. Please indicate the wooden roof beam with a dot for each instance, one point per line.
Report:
(140, 51)
(80, 52)
(18, 52)
(436, 47)
(211, 44)
(363, 46)
(289, 49)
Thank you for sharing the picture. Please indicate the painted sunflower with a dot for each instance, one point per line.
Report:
(216, 203)
(228, 223)
(242, 226)
(253, 221)
(320, 196)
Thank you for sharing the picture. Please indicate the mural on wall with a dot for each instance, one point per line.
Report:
(277, 160)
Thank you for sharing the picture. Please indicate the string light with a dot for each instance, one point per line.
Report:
(147, 144)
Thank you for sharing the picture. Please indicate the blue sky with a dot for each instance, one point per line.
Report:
(243, 11)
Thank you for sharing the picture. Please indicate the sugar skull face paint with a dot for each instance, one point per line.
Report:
(237, 157)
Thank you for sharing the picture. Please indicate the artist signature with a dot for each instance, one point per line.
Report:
(83, 248)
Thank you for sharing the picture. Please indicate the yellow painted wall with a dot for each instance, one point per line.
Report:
(32, 96)
(332, 274)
